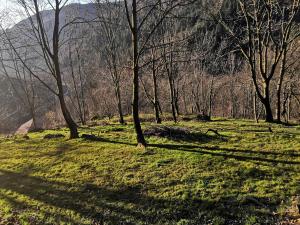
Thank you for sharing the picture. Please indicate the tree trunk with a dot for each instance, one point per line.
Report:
(289, 109)
(268, 111)
(55, 58)
(278, 94)
(135, 109)
(177, 105)
(67, 116)
(119, 102)
(267, 104)
(211, 98)
(173, 107)
(255, 114)
(135, 98)
(157, 115)
(232, 95)
(155, 91)
(279, 86)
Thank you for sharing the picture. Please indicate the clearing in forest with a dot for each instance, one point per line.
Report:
(245, 174)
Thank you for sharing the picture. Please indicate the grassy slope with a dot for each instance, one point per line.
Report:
(249, 179)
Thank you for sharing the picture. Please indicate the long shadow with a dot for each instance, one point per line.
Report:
(18, 205)
(227, 153)
(247, 155)
(250, 151)
(124, 205)
(224, 152)
(60, 150)
(64, 147)
(105, 140)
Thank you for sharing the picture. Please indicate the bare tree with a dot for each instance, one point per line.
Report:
(21, 82)
(78, 81)
(154, 67)
(112, 44)
(138, 13)
(264, 41)
(48, 41)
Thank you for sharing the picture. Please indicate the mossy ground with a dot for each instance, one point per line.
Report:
(247, 176)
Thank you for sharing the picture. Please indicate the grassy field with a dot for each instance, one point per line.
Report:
(247, 175)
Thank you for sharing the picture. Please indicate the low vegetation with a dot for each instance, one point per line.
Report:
(244, 175)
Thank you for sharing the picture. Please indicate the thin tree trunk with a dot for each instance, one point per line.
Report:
(173, 107)
(279, 86)
(67, 116)
(176, 104)
(80, 111)
(172, 90)
(255, 106)
(210, 98)
(155, 91)
(233, 109)
(289, 109)
(119, 102)
(135, 99)
(55, 58)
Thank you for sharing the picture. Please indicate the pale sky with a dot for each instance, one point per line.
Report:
(9, 3)
(8, 7)
(11, 16)
(4, 4)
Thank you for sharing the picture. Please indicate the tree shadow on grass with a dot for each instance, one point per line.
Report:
(20, 207)
(232, 153)
(122, 205)
(60, 149)
(179, 134)
(238, 154)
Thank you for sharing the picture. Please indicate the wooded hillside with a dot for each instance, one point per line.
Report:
(192, 60)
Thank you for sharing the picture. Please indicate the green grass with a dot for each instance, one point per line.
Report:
(249, 176)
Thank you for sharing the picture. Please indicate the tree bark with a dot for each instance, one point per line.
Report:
(70, 122)
(119, 102)
(55, 58)
(255, 114)
(135, 98)
(155, 91)
(156, 102)
(211, 98)
(267, 104)
(173, 107)
(279, 86)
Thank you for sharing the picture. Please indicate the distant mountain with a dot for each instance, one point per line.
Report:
(87, 36)
(14, 111)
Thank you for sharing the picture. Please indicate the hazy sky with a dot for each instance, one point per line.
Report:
(14, 13)
(8, 4)
(4, 3)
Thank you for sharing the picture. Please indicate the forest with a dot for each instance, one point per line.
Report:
(150, 112)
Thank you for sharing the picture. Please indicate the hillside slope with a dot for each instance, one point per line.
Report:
(249, 176)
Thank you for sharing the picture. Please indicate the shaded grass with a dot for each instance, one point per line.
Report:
(248, 179)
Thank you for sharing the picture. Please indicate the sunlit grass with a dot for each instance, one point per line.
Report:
(247, 176)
